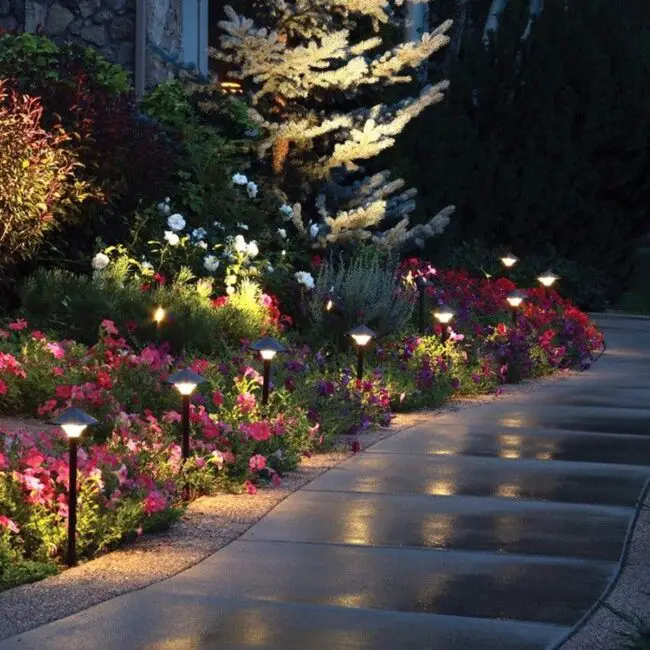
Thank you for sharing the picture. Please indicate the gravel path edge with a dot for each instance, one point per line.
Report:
(600, 627)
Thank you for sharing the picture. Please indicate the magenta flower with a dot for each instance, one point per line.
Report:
(257, 462)
(9, 524)
(155, 502)
(57, 350)
(109, 327)
(246, 402)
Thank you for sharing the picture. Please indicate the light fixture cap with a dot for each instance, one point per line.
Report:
(548, 278)
(444, 314)
(268, 343)
(362, 330)
(516, 295)
(75, 417)
(186, 376)
(509, 260)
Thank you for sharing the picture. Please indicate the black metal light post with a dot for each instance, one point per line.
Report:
(422, 285)
(185, 381)
(514, 300)
(444, 315)
(268, 347)
(73, 421)
(361, 336)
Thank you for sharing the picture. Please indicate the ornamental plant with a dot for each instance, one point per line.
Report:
(318, 85)
(37, 174)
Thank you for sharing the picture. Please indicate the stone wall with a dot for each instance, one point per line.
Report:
(107, 25)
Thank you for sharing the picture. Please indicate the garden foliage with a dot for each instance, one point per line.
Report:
(543, 143)
(39, 191)
(316, 85)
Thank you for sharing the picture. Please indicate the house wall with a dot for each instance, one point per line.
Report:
(108, 25)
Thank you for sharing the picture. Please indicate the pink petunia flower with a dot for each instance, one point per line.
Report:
(109, 327)
(18, 325)
(257, 462)
(3, 387)
(246, 402)
(9, 524)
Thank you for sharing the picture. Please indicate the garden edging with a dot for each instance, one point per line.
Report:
(600, 628)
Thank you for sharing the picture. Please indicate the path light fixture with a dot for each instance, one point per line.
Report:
(158, 317)
(185, 382)
(515, 299)
(361, 335)
(422, 284)
(548, 278)
(509, 260)
(268, 347)
(444, 316)
(73, 421)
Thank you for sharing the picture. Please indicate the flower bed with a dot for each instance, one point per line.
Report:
(130, 470)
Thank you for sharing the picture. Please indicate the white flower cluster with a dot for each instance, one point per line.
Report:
(100, 262)
(241, 179)
(164, 206)
(240, 245)
(305, 279)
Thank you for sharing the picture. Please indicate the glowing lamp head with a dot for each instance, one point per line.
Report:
(329, 304)
(185, 381)
(74, 421)
(548, 278)
(515, 298)
(443, 314)
(268, 347)
(159, 315)
(362, 335)
(509, 260)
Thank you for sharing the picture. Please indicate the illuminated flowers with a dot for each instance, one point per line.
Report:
(100, 262)
(251, 188)
(176, 221)
(239, 179)
(211, 263)
(172, 238)
(305, 278)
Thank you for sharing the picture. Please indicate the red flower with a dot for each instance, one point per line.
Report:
(64, 392)
(18, 325)
(316, 261)
(3, 387)
(160, 278)
(217, 398)
(37, 335)
(501, 329)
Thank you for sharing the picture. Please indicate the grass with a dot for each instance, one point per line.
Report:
(637, 299)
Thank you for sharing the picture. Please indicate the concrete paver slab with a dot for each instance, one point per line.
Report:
(461, 523)
(591, 483)
(204, 622)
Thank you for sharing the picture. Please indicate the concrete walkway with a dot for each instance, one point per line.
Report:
(496, 527)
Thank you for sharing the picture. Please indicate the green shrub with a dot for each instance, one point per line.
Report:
(126, 156)
(365, 289)
(74, 306)
(37, 176)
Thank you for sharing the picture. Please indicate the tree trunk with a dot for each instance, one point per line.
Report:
(460, 20)
(492, 22)
(417, 20)
(536, 7)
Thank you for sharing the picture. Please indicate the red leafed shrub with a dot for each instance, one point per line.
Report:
(38, 187)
